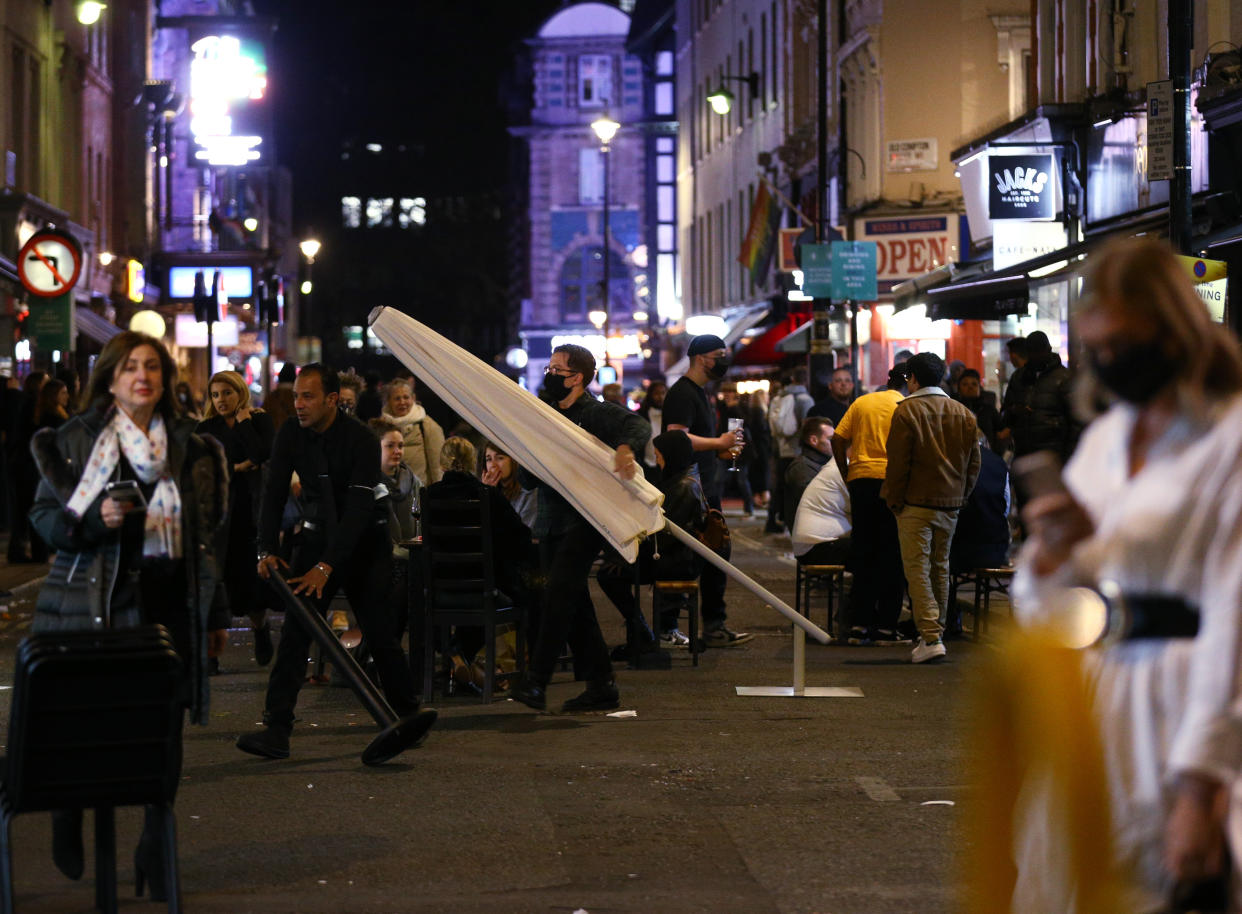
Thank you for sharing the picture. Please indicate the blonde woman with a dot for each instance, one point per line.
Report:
(246, 435)
(422, 436)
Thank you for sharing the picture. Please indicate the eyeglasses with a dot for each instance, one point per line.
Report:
(562, 372)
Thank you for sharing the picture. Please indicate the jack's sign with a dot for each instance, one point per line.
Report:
(1021, 187)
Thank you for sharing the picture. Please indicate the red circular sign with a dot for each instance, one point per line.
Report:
(50, 263)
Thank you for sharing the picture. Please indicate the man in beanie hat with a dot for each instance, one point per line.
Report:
(687, 407)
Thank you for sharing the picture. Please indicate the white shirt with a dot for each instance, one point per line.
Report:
(1163, 706)
(824, 512)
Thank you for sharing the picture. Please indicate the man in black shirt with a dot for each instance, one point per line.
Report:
(568, 544)
(833, 406)
(687, 407)
(344, 544)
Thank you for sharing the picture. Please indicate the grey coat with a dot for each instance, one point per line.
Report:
(77, 593)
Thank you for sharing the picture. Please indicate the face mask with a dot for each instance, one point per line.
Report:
(719, 369)
(1137, 372)
(555, 388)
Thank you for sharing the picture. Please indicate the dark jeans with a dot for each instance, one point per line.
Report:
(829, 552)
(367, 581)
(879, 579)
(712, 584)
(776, 496)
(568, 613)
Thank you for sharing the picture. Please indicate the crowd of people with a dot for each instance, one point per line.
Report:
(136, 492)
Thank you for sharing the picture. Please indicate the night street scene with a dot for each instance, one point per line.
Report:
(588, 456)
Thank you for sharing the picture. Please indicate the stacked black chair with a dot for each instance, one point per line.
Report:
(459, 583)
(95, 724)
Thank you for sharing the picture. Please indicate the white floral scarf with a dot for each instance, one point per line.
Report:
(147, 453)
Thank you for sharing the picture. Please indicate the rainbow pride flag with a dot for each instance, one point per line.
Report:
(760, 240)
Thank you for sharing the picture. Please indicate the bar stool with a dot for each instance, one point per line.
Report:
(985, 581)
(664, 591)
(808, 578)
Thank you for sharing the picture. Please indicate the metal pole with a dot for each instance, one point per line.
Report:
(819, 355)
(1181, 26)
(607, 151)
(398, 734)
(758, 590)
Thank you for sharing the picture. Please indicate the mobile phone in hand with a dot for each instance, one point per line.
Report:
(1038, 474)
(126, 493)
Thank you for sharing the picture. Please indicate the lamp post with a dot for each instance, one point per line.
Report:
(310, 248)
(605, 129)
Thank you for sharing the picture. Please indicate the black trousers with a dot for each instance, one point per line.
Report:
(875, 559)
(568, 613)
(367, 581)
(712, 582)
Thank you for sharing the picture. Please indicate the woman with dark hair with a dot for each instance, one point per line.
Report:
(24, 475)
(1150, 513)
(246, 435)
(501, 470)
(52, 407)
(120, 564)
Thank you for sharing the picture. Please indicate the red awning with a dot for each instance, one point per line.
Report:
(762, 349)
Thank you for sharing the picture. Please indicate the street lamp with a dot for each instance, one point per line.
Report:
(310, 247)
(605, 129)
(89, 11)
(722, 99)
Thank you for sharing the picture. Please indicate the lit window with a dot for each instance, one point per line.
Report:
(379, 212)
(594, 80)
(351, 212)
(590, 176)
(411, 211)
(664, 98)
(664, 63)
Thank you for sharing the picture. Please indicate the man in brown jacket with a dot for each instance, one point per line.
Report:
(933, 462)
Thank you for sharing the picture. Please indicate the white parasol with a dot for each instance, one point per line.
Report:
(569, 459)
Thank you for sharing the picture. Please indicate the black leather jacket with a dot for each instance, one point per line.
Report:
(1037, 408)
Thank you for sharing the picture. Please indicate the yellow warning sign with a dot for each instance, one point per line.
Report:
(1201, 270)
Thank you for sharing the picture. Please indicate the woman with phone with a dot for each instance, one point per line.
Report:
(246, 435)
(131, 499)
(1150, 514)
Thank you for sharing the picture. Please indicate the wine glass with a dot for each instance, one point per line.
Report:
(735, 426)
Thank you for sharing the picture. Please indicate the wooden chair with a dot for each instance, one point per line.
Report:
(985, 582)
(666, 591)
(95, 724)
(808, 578)
(459, 584)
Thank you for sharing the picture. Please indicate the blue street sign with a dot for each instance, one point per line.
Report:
(853, 270)
(816, 262)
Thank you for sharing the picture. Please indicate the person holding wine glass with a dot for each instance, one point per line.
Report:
(686, 407)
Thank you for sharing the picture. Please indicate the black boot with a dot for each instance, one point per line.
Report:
(530, 693)
(272, 742)
(149, 857)
(67, 851)
(601, 695)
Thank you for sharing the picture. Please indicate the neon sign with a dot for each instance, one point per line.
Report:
(228, 83)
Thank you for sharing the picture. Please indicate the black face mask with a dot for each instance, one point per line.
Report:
(1137, 372)
(720, 368)
(555, 388)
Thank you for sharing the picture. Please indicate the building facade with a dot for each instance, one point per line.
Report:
(581, 72)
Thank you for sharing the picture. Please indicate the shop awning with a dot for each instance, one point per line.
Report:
(737, 326)
(798, 342)
(985, 298)
(766, 348)
(93, 326)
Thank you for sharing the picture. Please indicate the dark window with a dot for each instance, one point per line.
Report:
(582, 280)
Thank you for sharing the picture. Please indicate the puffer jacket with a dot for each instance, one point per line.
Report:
(77, 593)
(1037, 408)
(933, 452)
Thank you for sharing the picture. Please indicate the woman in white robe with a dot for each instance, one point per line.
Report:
(1154, 505)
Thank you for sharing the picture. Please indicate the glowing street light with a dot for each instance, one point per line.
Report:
(598, 318)
(605, 128)
(310, 247)
(721, 101)
(89, 11)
